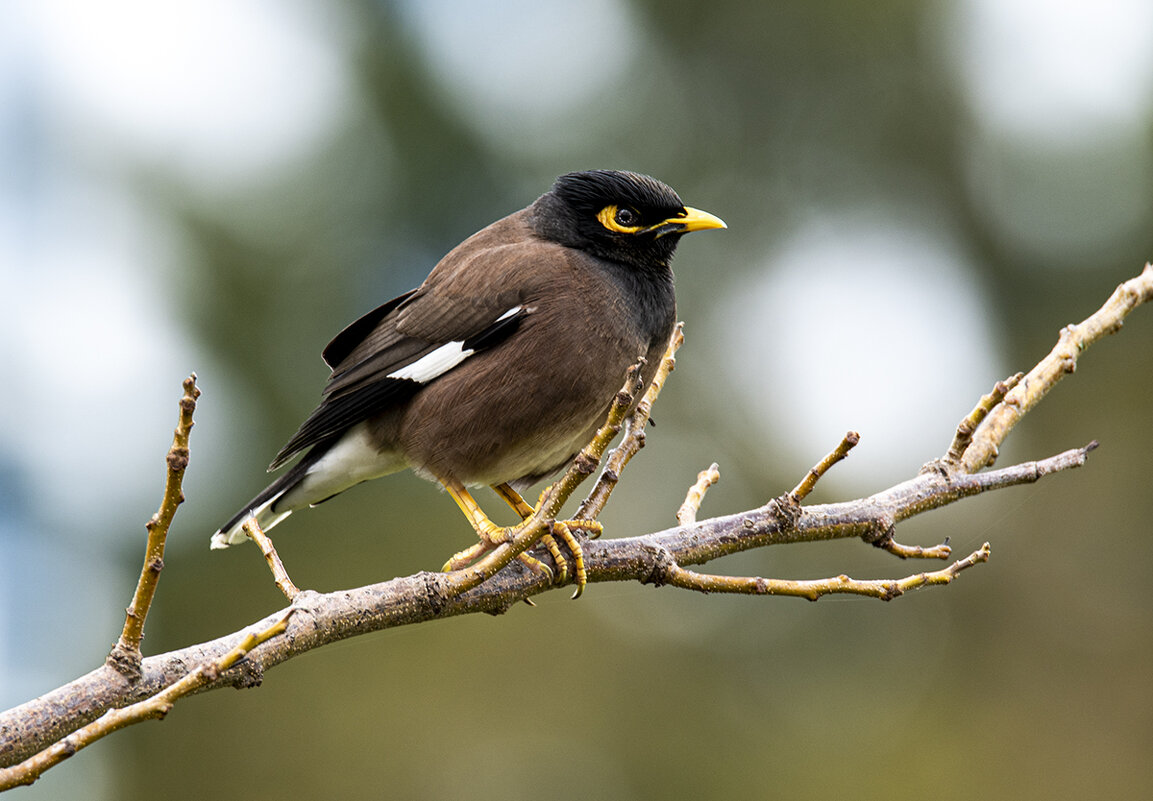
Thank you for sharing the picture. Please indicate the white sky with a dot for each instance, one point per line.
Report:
(1054, 70)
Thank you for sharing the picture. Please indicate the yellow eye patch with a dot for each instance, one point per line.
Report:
(622, 221)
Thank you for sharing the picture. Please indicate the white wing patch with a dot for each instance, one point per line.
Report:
(440, 361)
(434, 364)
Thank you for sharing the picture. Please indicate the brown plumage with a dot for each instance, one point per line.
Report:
(502, 364)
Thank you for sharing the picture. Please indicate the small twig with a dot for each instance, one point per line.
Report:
(634, 438)
(884, 589)
(885, 541)
(125, 655)
(802, 490)
(687, 514)
(669, 572)
(156, 706)
(942, 551)
(1062, 360)
(279, 574)
(966, 428)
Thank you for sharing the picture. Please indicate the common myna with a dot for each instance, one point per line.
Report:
(500, 367)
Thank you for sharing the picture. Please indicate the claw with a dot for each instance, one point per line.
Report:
(563, 529)
(558, 559)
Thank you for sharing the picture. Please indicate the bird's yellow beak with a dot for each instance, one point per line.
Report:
(697, 220)
(691, 220)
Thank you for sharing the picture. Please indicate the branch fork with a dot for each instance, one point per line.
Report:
(787, 510)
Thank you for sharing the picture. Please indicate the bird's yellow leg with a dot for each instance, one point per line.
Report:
(491, 535)
(514, 499)
(485, 528)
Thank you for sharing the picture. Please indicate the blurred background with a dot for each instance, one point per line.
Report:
(919, 195)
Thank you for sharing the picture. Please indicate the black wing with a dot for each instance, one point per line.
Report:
(367, 354)
(344, 343)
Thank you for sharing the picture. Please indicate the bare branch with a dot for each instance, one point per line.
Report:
(1061, 361)
(967, 427)
(669, 572)
(497, 582)
(279, 575)
(155, 707)
(780, 521)
(125, 655)
(634, 438)
(687, 514)
(802, 490)
(942, 551)
(323, 619)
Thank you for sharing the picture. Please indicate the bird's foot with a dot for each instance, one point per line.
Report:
(560, 530)
(490, 541)
(563, 529)
(492, 536)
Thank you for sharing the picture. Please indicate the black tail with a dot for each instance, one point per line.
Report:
(262, 506)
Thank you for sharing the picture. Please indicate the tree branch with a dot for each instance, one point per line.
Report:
(634, 438)
(493, 585)
(687, 514)
(125, 655)
(1061, 361)
(321, 619)
(153, 707)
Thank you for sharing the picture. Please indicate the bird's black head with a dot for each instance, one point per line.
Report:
(620, 216)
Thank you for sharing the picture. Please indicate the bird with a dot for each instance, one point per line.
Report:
(503, 363)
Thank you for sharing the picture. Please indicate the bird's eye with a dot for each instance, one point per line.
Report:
(627, 218)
